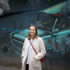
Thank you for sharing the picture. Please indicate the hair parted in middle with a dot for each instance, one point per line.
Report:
(36, 36)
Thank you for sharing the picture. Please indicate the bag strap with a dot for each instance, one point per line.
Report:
(33, 47)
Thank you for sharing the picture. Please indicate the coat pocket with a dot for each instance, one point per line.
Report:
(22, 59)
(36, 63)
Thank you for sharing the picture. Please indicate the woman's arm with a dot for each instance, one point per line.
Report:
(42, 49)
(23, 49)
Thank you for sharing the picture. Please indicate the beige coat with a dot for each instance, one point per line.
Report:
(40, 48)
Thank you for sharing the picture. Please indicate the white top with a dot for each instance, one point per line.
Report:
(29, 48)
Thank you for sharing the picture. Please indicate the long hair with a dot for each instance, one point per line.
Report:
(36, 36)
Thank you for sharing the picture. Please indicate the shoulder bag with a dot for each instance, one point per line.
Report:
(42, 59)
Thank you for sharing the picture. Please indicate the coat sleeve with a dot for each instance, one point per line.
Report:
(23, 48)
(42, 49)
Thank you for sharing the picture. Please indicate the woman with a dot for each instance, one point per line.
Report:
(31, 60)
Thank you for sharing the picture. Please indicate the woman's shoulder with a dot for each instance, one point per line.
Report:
(40, 38)
(26, 38)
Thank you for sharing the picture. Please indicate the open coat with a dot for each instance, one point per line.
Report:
(40, 49)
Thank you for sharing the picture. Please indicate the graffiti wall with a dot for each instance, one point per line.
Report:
(52, 19)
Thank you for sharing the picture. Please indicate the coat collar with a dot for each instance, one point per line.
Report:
(33, 40)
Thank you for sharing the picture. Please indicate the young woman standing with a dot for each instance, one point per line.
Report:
(31, 60)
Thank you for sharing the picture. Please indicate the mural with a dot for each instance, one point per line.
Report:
(4, 6)
(53, 25)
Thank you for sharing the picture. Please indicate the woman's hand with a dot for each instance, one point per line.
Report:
(34, 58)
(22, 56)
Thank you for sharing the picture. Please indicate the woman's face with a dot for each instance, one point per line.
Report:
(32, 30)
